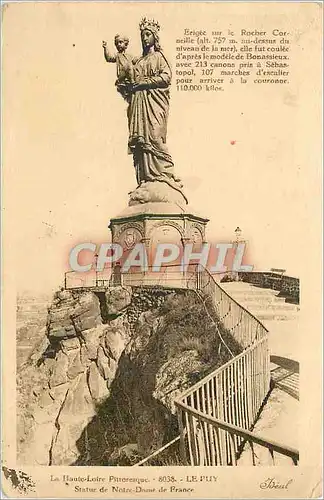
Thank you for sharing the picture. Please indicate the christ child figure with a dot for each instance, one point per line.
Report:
(124, 65)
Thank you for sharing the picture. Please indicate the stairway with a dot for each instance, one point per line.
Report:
(279, 317)
(263, 303)
(278, 420)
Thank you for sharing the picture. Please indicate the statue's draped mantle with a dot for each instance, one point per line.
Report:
(147, 119)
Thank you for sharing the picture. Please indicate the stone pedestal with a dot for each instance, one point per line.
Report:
(152, 223)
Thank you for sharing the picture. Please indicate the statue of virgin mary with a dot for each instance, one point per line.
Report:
(147, 121)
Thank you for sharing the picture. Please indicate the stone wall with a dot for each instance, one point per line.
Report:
(287, 286)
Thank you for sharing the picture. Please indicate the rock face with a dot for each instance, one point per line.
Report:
(100, 389)
(71, 376)
(31, 323)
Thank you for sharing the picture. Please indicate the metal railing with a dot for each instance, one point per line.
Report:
(241, 323)
(212, 441)
(172, 276)
(76, 280)
(156, 458)
(232, 394)
(217, 414)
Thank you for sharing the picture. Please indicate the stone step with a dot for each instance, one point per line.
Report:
(246, 287)
(266, 299)
(261, 302)
(256, 306)
(275, 316)
(252, 293)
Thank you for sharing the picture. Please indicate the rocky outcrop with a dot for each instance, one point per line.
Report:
(172, 346)
(31, 323)
(101, 388)
(73, 374)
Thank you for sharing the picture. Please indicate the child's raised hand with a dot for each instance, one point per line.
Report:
(104, 44)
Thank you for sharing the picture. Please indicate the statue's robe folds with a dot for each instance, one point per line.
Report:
(147, 119)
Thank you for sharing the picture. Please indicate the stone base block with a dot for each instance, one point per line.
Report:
(159, 222)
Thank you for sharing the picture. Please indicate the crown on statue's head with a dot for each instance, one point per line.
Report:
(149, 24)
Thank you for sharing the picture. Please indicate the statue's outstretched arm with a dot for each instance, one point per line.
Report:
(108, 57)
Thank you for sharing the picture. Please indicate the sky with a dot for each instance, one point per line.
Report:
(247, 156)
